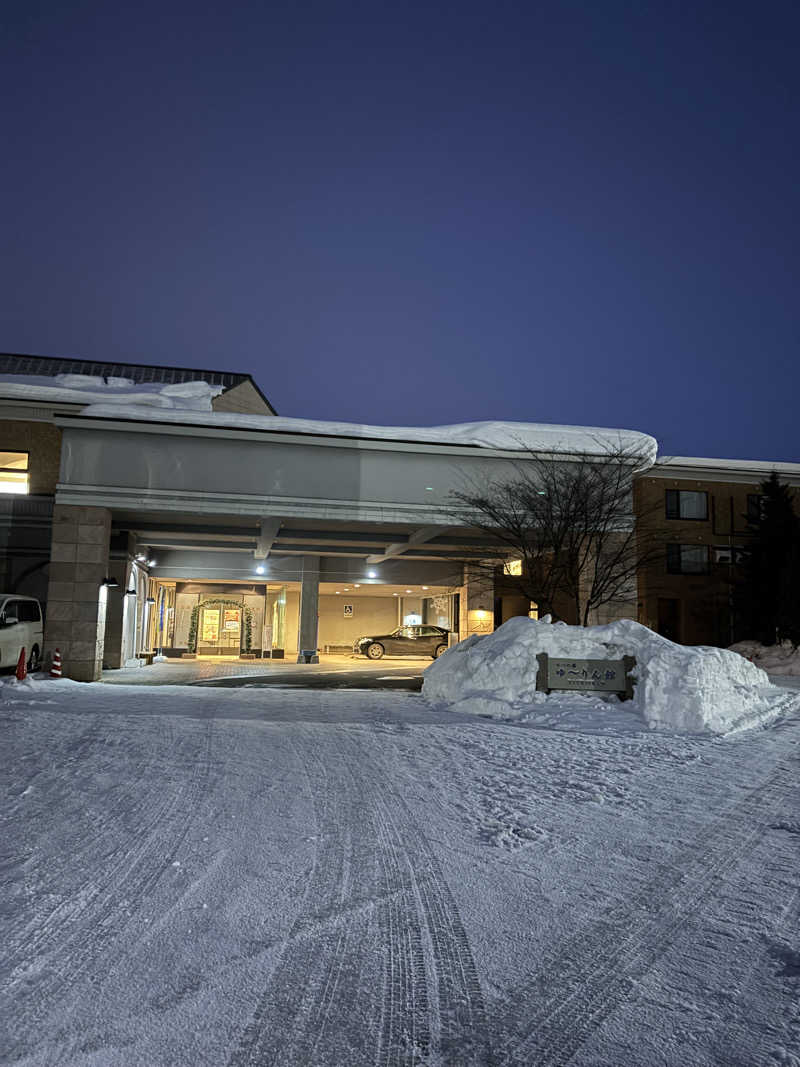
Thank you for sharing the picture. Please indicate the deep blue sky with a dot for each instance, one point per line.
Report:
(419, 213)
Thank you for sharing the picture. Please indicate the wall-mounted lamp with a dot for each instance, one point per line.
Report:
(110, 583)
(259, 570)
(371, 574)
(150, 600)
(129, 592)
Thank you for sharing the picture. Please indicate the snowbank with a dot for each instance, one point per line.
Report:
(507, 436)
(777, 659)
(114, 393)
(689, 689)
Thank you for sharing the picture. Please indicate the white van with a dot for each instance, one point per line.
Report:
(20, 627)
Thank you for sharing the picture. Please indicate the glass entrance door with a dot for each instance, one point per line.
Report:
(220, 631)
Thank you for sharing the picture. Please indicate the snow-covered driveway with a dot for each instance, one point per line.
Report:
(253, 877)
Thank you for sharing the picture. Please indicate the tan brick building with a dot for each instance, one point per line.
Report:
(699, 515)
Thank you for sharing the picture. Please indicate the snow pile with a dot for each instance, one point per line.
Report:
(678, 687)
(116, 394)
(506, 436)
(781, 659)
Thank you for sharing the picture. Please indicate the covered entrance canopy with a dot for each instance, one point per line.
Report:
(178, 513)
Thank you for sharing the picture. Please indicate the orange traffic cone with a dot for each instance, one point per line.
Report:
(22, 666)
(55, 669)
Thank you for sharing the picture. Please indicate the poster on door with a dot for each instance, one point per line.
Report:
(210, 625)
(231, 619)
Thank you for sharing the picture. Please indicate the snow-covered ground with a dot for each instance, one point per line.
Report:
(263, 876)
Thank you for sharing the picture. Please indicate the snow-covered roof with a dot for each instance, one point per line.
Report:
(49, 370)
(710, 469)
(123, 398)
(85, 389)
(502, 436)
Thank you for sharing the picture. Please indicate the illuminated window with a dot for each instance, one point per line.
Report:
(513, 567)
(686, 504)
(533, 610)
(13, 472)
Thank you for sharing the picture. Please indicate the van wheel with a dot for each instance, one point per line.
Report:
(33, 662)
(439, 650)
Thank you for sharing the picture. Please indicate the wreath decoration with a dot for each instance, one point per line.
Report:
(246, 642)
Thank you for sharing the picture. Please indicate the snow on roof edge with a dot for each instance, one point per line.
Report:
(496, 435)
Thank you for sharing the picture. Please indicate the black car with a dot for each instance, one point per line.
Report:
(407, 641)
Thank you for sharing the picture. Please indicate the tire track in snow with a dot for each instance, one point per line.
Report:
(40, 930)
(295, 1008)
(353, 983)
(595, 970)
(85, 937)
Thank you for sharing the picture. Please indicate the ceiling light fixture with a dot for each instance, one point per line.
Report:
(259, 570)
(371, 574)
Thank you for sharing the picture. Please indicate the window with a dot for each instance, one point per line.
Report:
(11, 610)
(685, 504)
(756, 502)
(13, 472)
(687, 559)
(429, 631)
(28, 611)
(513, 567)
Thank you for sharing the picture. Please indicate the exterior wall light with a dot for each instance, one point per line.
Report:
(129, 592)
(150, 600)
(110, 583)
(259, 570)
(371, 574)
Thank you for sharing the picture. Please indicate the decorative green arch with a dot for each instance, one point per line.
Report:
(247, 641)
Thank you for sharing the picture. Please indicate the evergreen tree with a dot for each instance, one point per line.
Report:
(769, 596)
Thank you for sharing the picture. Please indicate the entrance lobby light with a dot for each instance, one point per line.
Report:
(259, 570)
(371, 574)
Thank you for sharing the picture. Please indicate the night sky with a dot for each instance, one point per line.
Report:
(419, 213)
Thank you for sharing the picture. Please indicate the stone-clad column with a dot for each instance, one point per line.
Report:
(76, 596)
(308, 623)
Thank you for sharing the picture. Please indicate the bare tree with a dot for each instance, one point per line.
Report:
(571, 522)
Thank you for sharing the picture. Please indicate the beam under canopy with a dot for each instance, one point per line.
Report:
(419, 537)
(268, 531)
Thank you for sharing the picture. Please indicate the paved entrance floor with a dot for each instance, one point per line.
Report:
(332, 672)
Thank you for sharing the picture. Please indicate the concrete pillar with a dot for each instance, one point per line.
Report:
(76, 596)
(477, 601)
(308, 622)
(115, 608)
